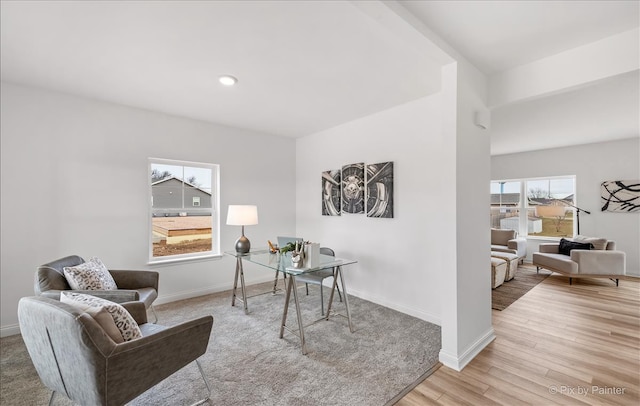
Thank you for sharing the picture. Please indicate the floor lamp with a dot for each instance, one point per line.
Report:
(578, 210)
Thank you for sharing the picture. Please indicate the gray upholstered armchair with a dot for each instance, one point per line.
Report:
(75, 357)
(132, 285)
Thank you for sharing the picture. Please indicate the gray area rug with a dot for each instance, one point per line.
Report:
(247, 364)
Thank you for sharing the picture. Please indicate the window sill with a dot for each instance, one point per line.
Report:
(543, 238)
(171, 261)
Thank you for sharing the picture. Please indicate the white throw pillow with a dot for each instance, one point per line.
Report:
(91, 275)
(124, 322)
(598, 243)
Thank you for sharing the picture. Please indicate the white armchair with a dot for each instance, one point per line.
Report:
(508, 241)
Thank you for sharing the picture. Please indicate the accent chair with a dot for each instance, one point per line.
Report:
(132, 285)
(75, 357)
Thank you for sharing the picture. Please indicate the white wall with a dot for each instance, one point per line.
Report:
(591, 164)
(399, 259)
(425, 261)
(466, 292)
(74, 181)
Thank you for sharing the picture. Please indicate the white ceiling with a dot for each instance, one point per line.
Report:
(497, 35)
(607, 110)
(303, 66)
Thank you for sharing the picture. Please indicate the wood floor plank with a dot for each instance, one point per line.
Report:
(531, 385)
(507, 386)
(573, 344)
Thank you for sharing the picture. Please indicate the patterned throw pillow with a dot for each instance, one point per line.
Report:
(125, 323)
(91, 275)
(99, 314)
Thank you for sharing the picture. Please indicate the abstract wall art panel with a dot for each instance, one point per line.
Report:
(622, 196)
(331, 192)
(380, 190)
(353, 188)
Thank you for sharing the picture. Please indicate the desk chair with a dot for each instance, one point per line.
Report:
(316, 278)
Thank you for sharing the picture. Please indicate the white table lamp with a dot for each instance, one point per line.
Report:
(242, 215)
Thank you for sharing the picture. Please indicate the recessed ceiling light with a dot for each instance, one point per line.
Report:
(227, 80)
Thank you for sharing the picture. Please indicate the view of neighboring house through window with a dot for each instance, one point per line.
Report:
(541, 207)
(505, 205)
(184, 215)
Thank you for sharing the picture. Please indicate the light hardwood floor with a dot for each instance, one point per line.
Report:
(558, 344)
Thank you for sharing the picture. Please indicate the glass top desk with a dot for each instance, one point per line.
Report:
(281, 263)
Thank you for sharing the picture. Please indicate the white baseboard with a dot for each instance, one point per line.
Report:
(188, 294)
(395, 306)
(10, 330)
(459, 362)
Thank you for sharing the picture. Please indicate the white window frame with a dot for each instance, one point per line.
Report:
(194, 200)
(524, 204)
(214, 210)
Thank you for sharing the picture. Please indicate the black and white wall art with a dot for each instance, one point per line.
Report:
(621, 196)
(331, 192)
(353, 188)
(380, 190)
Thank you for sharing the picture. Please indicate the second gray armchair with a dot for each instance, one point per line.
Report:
(139, 286)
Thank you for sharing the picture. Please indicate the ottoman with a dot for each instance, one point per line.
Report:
(512, 263)
(498, 272)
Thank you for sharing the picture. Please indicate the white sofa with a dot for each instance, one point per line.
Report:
(602, 261)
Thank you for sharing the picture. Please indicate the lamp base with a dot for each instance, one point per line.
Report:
(243, 245)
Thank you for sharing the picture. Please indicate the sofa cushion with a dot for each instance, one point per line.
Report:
(502, 237)
(125, 323)
(502, 248)
(598, 243)
(90, 275)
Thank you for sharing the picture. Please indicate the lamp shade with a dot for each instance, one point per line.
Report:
(551, 211)
(242, 215)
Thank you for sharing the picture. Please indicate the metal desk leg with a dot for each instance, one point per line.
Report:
(292, 285)
(337, 273)
(239, 272)
(275, 282)
(286, 308)
(333, 289)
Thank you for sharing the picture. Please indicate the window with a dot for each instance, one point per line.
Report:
(540, 207)
(184, 216)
